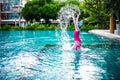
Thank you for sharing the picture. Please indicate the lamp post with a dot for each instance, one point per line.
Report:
(19, 12)
(15, 17)
(0, 11)
(14, 11)
(0, 15)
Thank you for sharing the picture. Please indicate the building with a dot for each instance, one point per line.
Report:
(10, 12)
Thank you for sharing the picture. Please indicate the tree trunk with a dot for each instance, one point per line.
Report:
(112, 24)
(0, 14)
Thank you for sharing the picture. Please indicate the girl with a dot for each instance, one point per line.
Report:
(77, 41)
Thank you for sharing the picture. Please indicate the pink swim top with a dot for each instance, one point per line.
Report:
(76, 36)
(77, 41)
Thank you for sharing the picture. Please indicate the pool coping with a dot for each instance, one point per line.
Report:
(106, 33)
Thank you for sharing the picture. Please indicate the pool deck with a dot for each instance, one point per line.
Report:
(106, 33)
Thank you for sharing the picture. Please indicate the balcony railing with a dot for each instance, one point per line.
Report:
(15, 2)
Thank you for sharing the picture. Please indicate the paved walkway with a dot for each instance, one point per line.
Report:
(106, 33)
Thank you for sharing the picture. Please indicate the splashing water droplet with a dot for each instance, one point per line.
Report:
(65, 15)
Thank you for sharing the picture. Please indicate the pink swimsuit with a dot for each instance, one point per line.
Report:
(77, 41)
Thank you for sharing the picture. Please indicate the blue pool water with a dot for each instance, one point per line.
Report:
(47, 55)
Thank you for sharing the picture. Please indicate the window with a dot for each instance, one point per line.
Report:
(7, 7)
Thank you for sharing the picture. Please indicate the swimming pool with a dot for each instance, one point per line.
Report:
(42, 55)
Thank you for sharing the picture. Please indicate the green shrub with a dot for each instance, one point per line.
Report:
(87, 27)
(5, 27)
(16, 28)
(51, 27)
(71, 26)
(41, 27)
(31, 26)
(37, 26)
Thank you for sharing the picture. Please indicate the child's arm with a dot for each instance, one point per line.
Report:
(73, 17)
(77, 19)
(76, 22)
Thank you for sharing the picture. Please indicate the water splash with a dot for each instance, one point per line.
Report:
(64, 17)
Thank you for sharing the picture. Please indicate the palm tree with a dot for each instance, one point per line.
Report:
(113, 8)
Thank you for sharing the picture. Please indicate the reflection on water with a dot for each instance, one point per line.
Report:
(42, 57)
